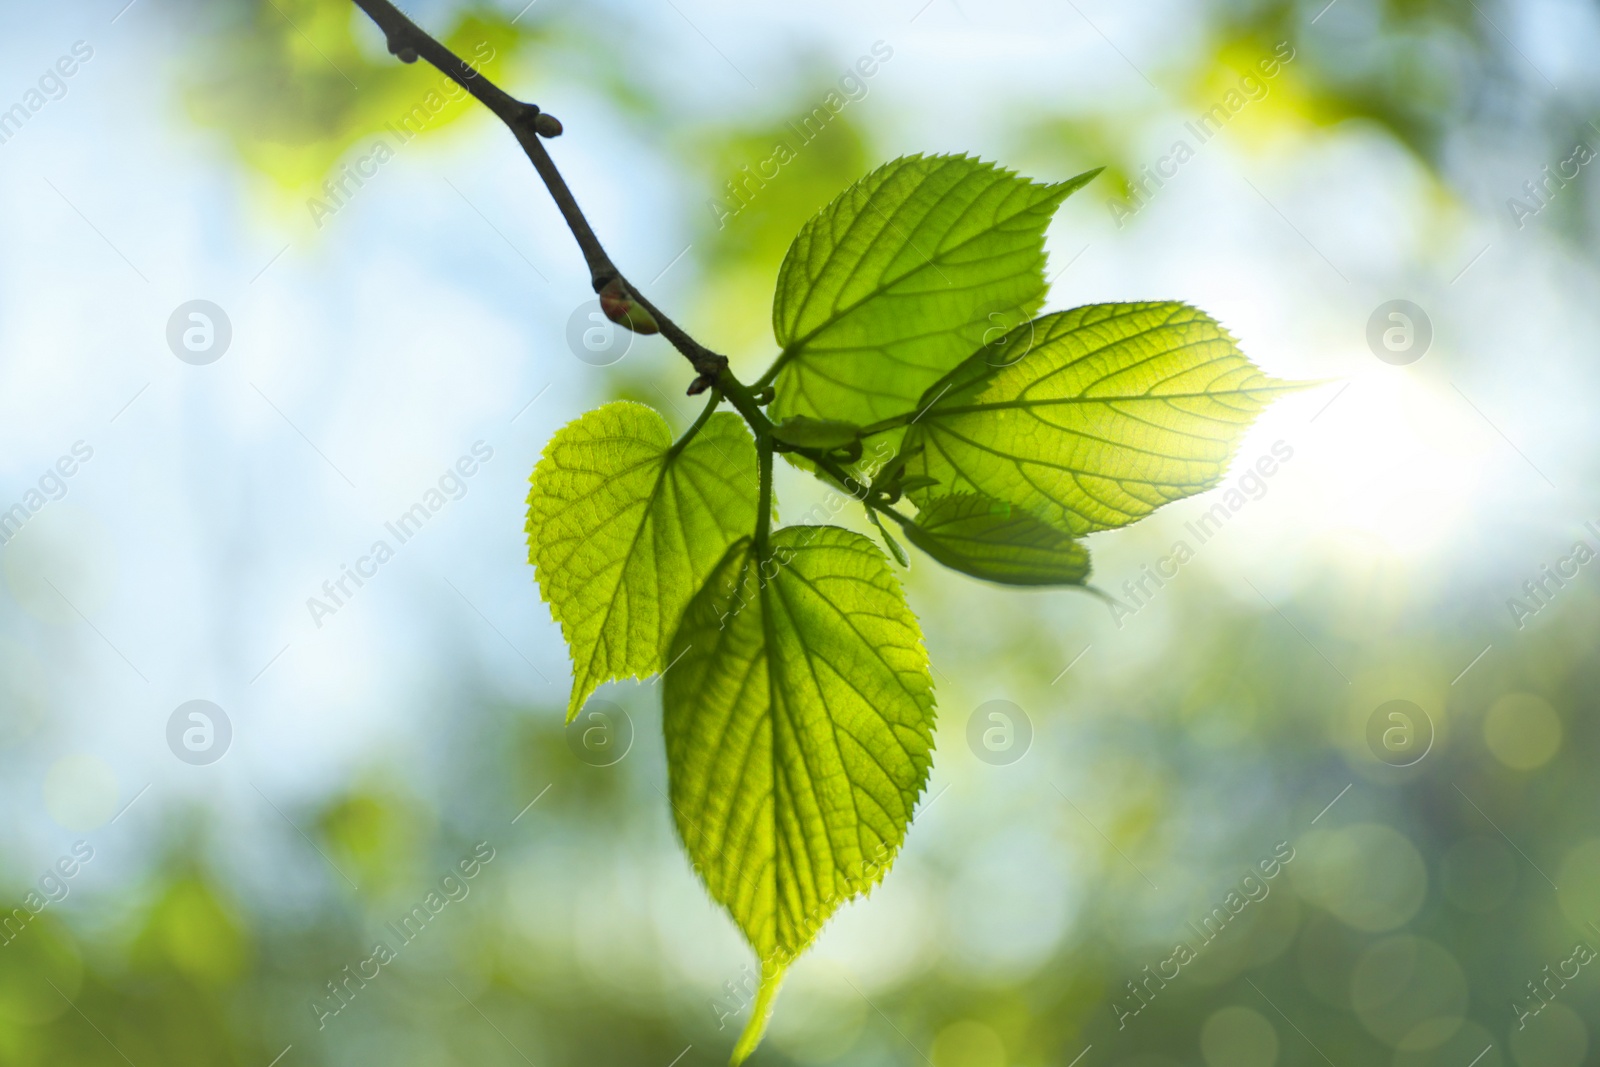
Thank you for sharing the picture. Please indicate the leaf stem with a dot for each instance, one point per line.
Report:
(828, 466)
(743, 398)
(771, 373)
(760, 1012)
(693, 431)
(889, 510)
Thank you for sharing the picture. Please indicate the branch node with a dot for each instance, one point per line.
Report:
(402, 51)
(711, 367)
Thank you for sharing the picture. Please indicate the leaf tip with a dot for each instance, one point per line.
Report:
(1061, 190)
(576, 701)
(760, 1012)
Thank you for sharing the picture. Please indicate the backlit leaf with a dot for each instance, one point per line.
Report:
(623, 528)
(806, 432)
(1103, 415)
(799, 732)
(990, 539)
(901, 277)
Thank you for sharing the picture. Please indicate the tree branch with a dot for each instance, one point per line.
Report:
(528, 124)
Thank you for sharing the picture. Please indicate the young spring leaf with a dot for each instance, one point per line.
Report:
(1111, 411)
(806, 432)
(915, 482)
(799, 731)
(901, 277)
(623, 527)
(992, 540)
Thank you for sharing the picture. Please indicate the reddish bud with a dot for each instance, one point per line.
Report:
(622, 308)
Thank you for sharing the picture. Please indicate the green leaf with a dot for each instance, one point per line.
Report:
(806, 432)
(1097, 418)
(901, 277)
(917, 481)
(624, 526)
(799, 734)
(990, 539)
(896, 549)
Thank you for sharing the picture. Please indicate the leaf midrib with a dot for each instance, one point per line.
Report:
(1004, 405)
(627, 557)
(842, 876)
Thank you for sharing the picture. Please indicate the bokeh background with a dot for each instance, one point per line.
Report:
(1441, 861)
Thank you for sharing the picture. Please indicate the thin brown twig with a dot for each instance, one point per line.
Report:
(528, 124)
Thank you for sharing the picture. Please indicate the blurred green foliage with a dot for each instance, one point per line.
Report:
(292, 89)
(745, 226)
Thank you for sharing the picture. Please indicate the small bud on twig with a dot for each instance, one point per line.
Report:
(540, 122)
(624, 309)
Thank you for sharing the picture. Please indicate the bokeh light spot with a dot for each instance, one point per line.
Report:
(1523, 731)
(968, 1043)
(1238, 1037)
(1368, 875)
(1409, 993)
(1557, 1038)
